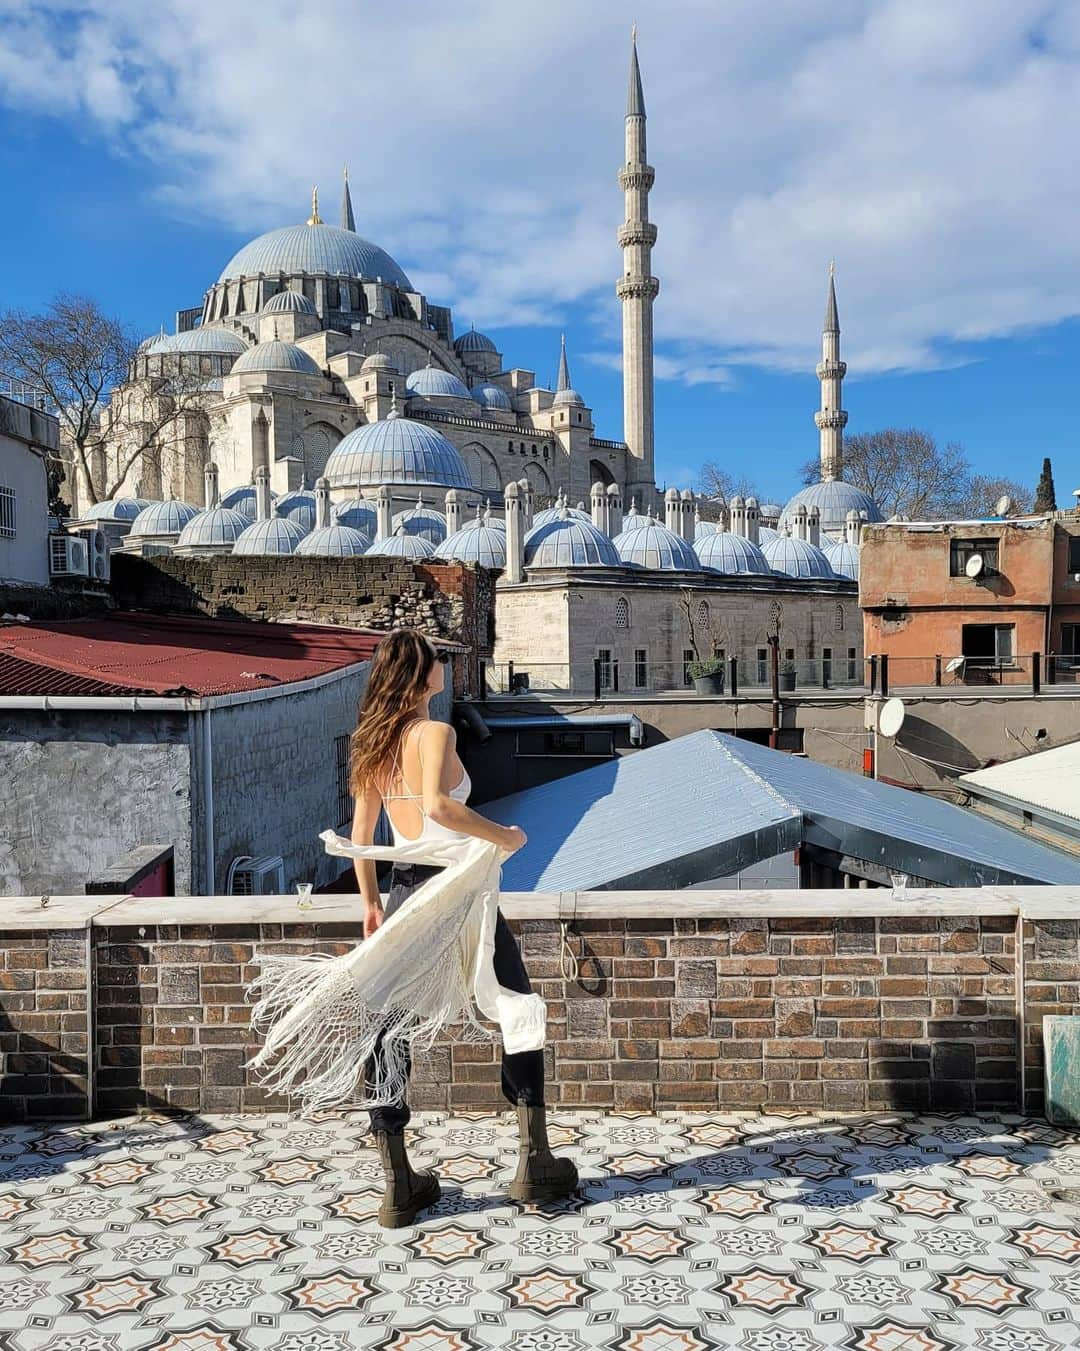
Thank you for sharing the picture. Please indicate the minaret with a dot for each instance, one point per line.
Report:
(832, 419)
(562, 380)
(637, 287)
(347, 221)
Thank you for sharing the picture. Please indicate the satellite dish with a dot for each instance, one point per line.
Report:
(1003, 506)
(891, 717)
(957, 664)
(974, 566)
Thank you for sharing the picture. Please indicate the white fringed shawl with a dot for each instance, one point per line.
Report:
(430, 964)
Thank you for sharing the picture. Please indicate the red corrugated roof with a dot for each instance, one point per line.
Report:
(169, 655)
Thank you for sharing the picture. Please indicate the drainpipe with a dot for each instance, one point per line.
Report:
(209, 877)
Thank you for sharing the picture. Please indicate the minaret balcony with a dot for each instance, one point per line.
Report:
(831, 370)
(637, 232)
(830, 418)
(637, 288)
(639, 176)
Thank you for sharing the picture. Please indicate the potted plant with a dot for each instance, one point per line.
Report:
(708, 675)
(787, 677)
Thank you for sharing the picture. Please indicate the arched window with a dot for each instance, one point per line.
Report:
(538, 477)
(599, 470)
(622, 613)
(839, 619)
(703, 614)
(483, 470)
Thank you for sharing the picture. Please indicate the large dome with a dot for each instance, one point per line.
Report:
(834, 499)
(315, 249)
(655, 546)
(396, 451)
(733, 555)
(567, 542)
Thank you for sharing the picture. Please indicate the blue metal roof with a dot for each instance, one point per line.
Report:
(396, 450)
(715, 804)
(317, 249)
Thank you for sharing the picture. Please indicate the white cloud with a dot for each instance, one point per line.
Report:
(926, 146)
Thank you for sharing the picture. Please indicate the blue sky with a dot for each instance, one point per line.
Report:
(928, 148)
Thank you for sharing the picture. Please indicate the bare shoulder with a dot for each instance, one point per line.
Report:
(436, 733)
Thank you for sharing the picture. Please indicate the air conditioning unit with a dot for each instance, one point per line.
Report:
(257, 876)
(68, 556)
(98, 552)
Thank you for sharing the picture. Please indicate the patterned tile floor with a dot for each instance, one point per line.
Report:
(766, 1233)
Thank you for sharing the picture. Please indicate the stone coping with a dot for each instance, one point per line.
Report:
(78, 912)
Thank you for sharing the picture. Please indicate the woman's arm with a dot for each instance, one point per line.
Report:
(437, 741)
(365, 817)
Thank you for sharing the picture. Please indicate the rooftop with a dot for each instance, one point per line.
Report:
(1048, 781)
(132, 654)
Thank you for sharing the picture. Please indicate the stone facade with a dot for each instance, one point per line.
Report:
(717, 1008)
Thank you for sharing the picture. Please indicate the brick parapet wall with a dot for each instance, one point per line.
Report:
(834, 1013)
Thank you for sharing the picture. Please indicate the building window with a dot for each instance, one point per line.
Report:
(622, 613)
(641, 667)
(1070, 644)
(961, 550)
(1074, 555)
(344, 797)
(545, 452)
(851, 673)
(603, 655)
(7, 512)
(826, 665)
(687, 658)
(703, 614)
(762, 665)
(839, 619)
(510, 447)
(987, 644)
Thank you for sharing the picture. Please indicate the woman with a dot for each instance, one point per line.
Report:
(404, 760)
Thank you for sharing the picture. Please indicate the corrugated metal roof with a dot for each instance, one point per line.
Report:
(707, 805)
(132, 654)
(1049, 780)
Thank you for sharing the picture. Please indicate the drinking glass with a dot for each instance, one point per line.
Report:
(303, 895)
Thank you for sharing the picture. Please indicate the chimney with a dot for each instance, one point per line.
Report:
(526, 503)
(672, 510)
(853, 527)
(813, 527)
(453, 512)
(515, 536)
(799, 528)
(263, 509)
(210, 489)
(383, 515)
(753, 520)
(738, 516)
(686, 515)
(614, 509)
(322, 503)
(598, 506)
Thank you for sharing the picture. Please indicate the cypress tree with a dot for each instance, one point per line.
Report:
(1045, 499)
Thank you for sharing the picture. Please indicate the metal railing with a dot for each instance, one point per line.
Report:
(886, 674)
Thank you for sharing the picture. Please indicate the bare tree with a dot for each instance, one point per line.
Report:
(77, 356)
(908, 474)
(720, 485)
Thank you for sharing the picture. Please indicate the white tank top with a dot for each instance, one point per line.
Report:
(429, 830)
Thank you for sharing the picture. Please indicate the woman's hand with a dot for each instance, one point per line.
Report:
(373, 918)
(515, 839)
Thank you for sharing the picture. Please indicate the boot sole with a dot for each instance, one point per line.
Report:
(531, 1193)
(401, 1217)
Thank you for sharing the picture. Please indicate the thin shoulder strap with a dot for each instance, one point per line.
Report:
(394, 757)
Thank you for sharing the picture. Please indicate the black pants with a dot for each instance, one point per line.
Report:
(523, 1073)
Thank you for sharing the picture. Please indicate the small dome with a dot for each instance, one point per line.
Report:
(218, 528)
(843, 559)
(431, 382)
(490, 522)
(474, 342)
(731, 554)
(767, 533)
(491, 396)
(163, 518)
(208, 338)
(116, 509)
(564, 397)
(550, 514)
(634, 520)
(834, 499)
(402, 546)
(289, 302)
(798, 558)
(316, 249)
(655, 546)
(770, 511)
(568, 542)
(243, 501)
(478, 542)
(358, 514)
(276, 356)
(396, 450)
(333, 541)
(377, 361)
(703, 529)
(275, 536)
(422, 520)
(298, 507)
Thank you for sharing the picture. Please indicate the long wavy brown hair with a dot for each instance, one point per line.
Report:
(398, 680)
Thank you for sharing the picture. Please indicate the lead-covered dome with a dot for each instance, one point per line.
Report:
(216, 528)
(333, 541)
(655, 546)
(396, 451)
(492, 397)
(243, 501)
(798, 558)
(478, 542)
(358, 514)
(834, 499)
(550, 514)
(402, 545)
(275, 536)
(732, 555)
(289, 302)
(163, 518)
(207, 338)
(315, 249)
(474, 342)
(843, 559)
(567, 542)
(116, 509)
(422, 520)
(703, 529)
(432, 382)
(298, 507)
(276, 356)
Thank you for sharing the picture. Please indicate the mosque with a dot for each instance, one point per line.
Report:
(335, 411)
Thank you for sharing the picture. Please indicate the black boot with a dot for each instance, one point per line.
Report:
(540, 1175)
(406, 1190)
